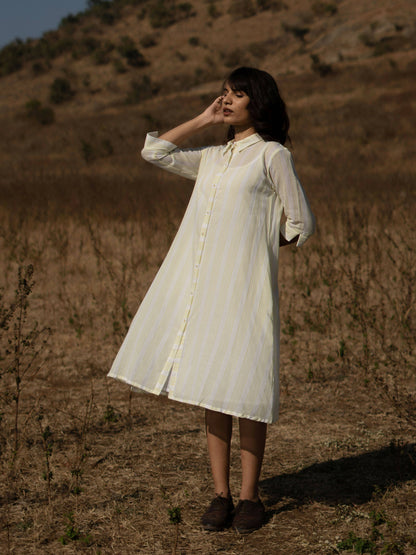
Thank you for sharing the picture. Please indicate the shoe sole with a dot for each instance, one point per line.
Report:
(246, 530)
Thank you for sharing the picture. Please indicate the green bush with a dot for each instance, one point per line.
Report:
(38, 68)
(212, 9)
(128, 50)
(107, 17)
(41, 114)
(70, 21)
(234, 58)
(60, 91)
(148, 40)
(119, 66)
(102, 55)
(275, 5)
(259, 50)
(320, 67)
(242, 8)
(141, 90)
(163, 13)
(324, 8)
(194, 41)
(297, 31)
(12, 56)
(85, 47)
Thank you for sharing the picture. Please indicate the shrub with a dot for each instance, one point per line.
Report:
(70, 21)
(119, 66)
(11, 57)
(106, 11)
(194, 41)
(141, 90)
(212, 9)
(242, 8)
(259, 49)
(87, 151)
(275, 5)
(107, 17)
(38, 68)
(180, 56)
(320, 67)
(60, 91)
(236, 57)
(128, 50)
(148, 40)
(85, 47)
(102, 55)
(42, 114)
(324, 8)
(164, 13)
(384, 46)
(296, 30)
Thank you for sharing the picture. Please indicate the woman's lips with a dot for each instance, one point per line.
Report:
(227, 112)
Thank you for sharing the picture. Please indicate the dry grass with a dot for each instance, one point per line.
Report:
(341, 459)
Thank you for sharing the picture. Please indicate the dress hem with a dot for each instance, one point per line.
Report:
(139, 388)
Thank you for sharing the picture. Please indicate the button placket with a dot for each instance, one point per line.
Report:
(175, 355)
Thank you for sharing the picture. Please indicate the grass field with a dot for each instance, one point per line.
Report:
(88, 466)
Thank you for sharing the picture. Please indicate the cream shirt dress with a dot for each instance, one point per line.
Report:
(207, 331)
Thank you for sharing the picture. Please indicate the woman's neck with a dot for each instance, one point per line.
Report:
(243, 132)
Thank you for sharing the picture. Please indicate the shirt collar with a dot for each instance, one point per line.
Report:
(242, 143)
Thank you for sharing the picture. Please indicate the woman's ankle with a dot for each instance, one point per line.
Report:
(223, 493)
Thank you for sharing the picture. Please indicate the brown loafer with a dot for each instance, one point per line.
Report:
(218, 515)
(249, 516)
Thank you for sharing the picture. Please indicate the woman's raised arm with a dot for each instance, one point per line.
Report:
(213, 115)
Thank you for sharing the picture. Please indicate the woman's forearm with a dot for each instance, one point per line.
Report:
(211, 116)
(185, 130)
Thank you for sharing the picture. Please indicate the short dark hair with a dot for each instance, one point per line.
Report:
(267, 108)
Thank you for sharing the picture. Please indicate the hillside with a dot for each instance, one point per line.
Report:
(90, 89)
(115, 52)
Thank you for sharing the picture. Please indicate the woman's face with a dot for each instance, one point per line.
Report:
(234, 107)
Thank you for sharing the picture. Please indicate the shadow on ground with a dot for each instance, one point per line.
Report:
(349, 480)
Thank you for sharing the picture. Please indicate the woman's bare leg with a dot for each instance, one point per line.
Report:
(219, 429)
(252, 444)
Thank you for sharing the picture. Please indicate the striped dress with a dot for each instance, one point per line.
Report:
(207, 331)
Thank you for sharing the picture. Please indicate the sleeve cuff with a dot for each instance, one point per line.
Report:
(289, 232)
(152, 141)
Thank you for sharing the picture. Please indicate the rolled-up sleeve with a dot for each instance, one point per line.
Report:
(299, 218)
(166, 155)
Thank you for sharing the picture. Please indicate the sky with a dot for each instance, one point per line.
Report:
(31, 18)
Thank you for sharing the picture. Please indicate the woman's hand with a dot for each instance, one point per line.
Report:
(214, 114)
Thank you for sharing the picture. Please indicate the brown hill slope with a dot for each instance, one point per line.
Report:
(208, 39)
(345, 68)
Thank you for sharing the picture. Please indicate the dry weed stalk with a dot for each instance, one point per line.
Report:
(47, 442)
(21, 349)
(78, 462)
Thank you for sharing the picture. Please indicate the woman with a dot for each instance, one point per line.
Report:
(207, 332)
